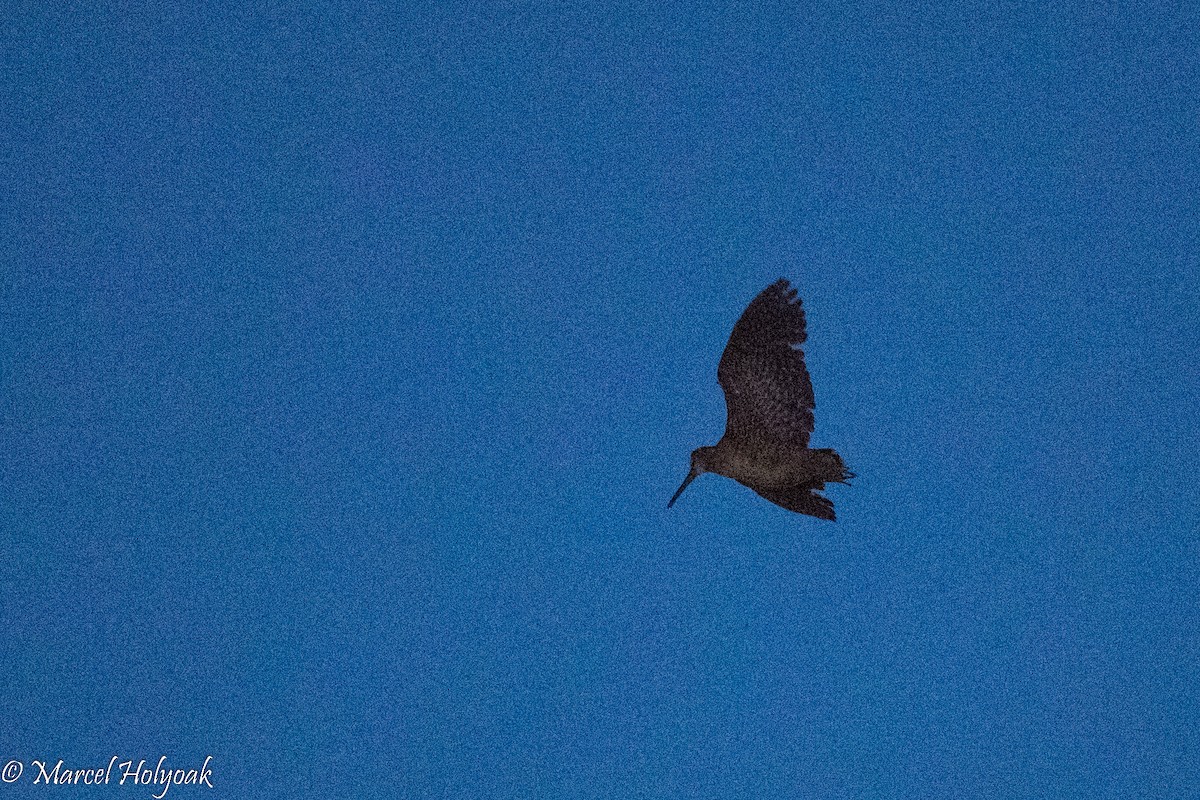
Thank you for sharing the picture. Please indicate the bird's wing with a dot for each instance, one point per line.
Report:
(802, 499)
(768, 394)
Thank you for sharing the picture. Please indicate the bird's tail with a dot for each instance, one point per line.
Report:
(836, 469)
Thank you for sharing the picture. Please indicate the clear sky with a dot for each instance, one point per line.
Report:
(351, 353)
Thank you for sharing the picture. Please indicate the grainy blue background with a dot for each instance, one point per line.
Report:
(351, 352)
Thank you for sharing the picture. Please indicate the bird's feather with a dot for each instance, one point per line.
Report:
(802, 499)
(768, 393)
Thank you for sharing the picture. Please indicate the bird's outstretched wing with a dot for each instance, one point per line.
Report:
(768, 394)
(802, 499)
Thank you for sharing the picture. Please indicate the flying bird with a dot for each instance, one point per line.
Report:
(769, 411)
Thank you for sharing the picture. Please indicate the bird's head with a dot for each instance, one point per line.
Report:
(701, 463)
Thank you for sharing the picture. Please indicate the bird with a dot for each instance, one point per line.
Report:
(769, 406)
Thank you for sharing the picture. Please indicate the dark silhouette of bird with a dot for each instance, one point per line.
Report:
(769, 403)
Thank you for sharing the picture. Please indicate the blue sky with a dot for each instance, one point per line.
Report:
(351, 355)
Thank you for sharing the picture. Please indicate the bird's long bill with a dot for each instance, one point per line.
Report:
(691, 477)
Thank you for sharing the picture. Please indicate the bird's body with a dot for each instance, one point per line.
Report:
(771, 469)
(769, 402)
